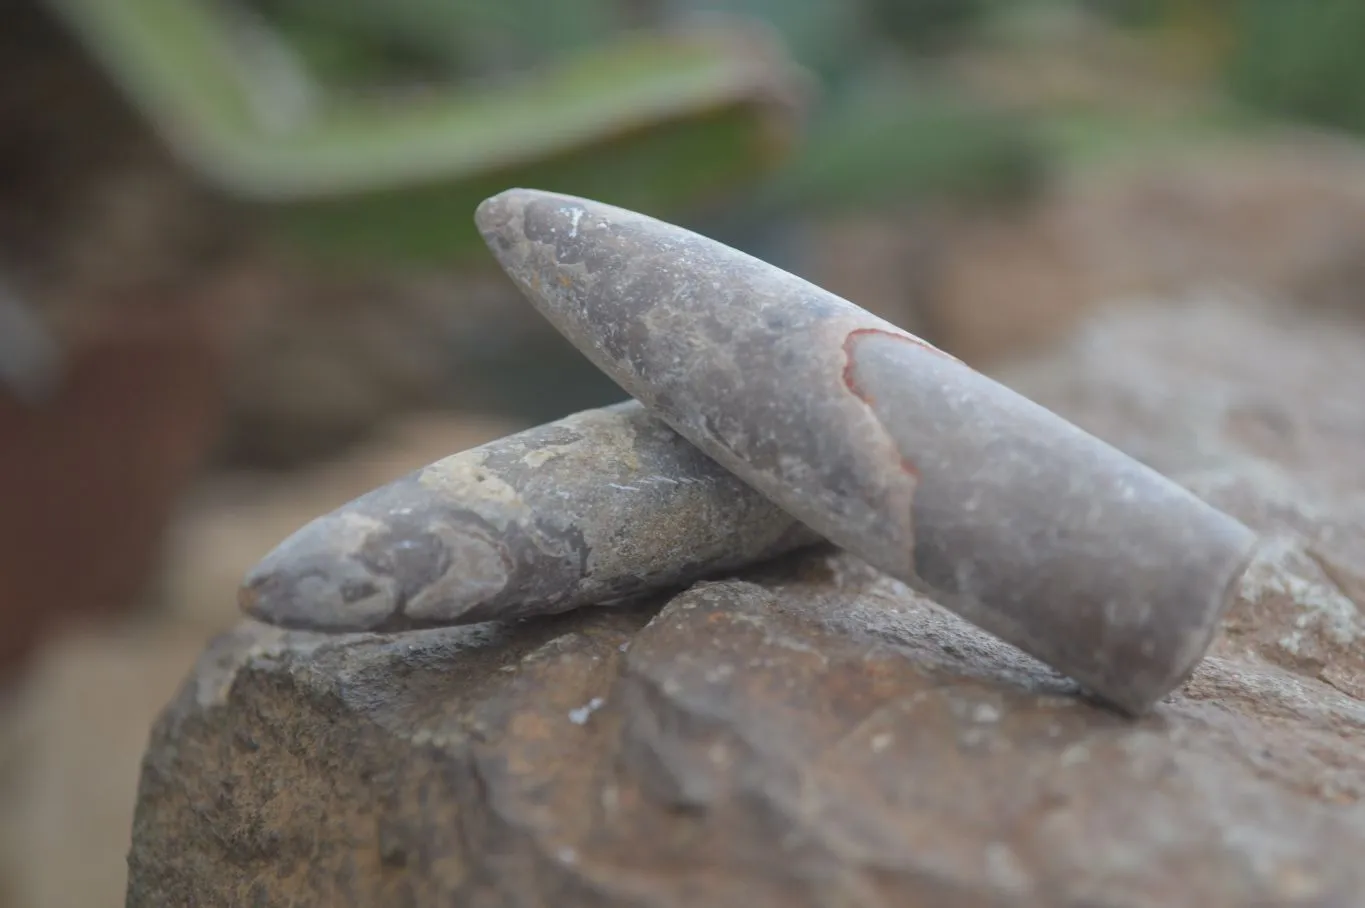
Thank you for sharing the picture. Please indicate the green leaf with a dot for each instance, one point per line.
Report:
(902, 142)
(651, 119)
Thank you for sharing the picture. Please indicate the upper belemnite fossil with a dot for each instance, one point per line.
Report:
(600, 505)
(1013, 517)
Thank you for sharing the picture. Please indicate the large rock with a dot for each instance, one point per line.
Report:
(815, 734)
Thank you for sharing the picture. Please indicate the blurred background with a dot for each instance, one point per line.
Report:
(240, 285)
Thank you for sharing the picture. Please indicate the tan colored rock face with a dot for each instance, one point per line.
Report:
(814, 733)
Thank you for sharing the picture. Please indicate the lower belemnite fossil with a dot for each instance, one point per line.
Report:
(599, 506)
(1019, 521)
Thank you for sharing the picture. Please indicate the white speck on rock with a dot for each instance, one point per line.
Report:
(1278, 570)
(580, 715)
(1005, 869)
(985, 712)
(973, 737)
(1074, 755)
(719, 673)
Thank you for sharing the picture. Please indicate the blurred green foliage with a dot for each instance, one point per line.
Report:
(358, 42)
(367, 130)
(408, 112)
(821, 35)
(929, 26)
(885, 134)
(1302, 59)
(890, 141)
(664, 167)
(1296, 59)
(649, 120)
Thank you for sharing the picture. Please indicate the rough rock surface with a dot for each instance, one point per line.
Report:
(813, 733)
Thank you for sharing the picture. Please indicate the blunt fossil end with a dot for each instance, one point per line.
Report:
(311, 582)
(392, 559)
(1006, 513)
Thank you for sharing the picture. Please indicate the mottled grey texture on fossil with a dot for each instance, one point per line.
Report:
(599, 506)
(999, 509)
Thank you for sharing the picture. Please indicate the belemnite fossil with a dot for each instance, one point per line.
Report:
(769, 415)
(1001, 510)
(602, 505)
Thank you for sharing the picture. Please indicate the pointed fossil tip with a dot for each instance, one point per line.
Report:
(494, 210)
(498, 219)
(270, 593)
(501, 219)
(310, 582)
(497, 212)
(276, 594)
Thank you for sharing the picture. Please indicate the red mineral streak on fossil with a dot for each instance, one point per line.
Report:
(851, 380)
